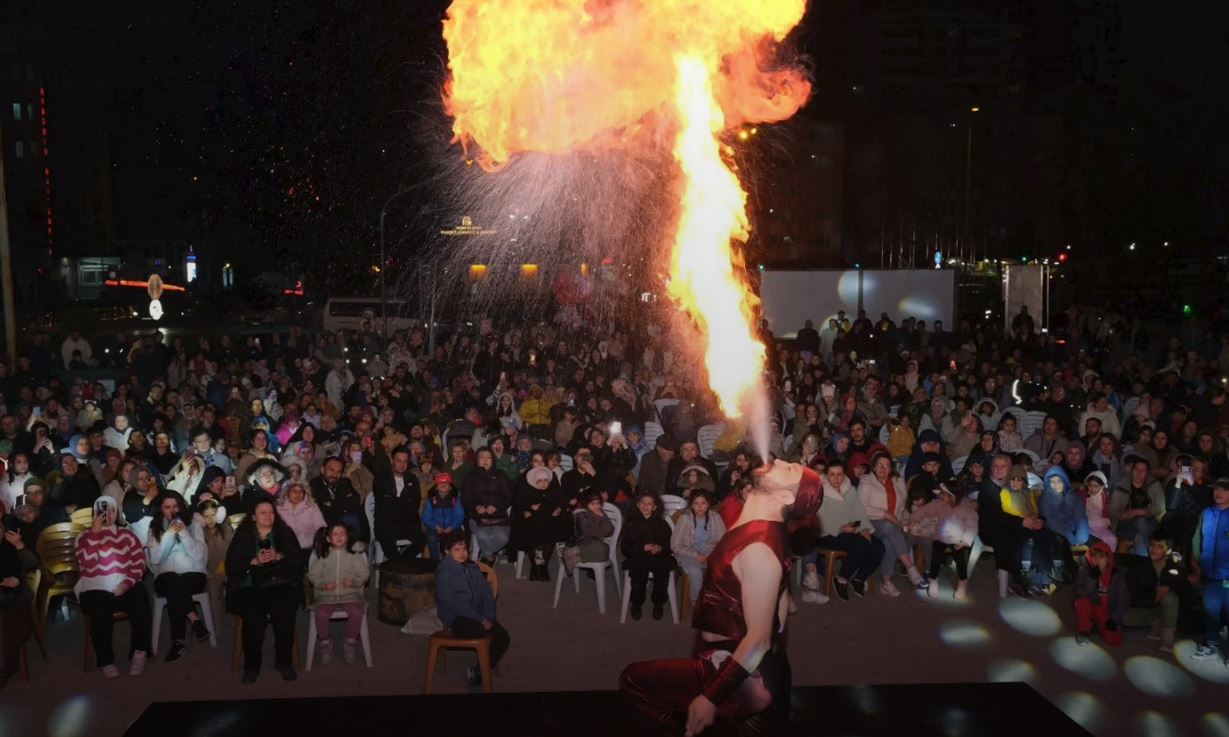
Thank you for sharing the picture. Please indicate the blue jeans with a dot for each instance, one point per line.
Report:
(1140, 528)
(1215, 609)
(862, 556)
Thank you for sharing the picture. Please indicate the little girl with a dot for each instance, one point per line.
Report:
(1097, 507)
(592, 528)
(950, 521)
(443, 512)
(338, 576)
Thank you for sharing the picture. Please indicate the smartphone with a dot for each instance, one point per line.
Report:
(616, 428)
(266, 544)
(36, 411)
(1184, 473)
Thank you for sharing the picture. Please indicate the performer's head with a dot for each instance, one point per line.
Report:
(797, 488)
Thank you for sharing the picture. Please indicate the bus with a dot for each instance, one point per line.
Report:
(349, 313)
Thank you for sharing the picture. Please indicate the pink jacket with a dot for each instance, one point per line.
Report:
(949, 525)
(304, 519)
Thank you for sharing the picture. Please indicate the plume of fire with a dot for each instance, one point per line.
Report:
(557, 76)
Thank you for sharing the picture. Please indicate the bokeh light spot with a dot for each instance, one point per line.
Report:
(1156, 677)
(1089, 660)
(1030, 617)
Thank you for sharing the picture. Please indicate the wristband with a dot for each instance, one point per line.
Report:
(725, 681)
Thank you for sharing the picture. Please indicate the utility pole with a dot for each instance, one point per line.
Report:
(6, 267)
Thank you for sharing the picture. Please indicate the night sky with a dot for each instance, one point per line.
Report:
(276, 128)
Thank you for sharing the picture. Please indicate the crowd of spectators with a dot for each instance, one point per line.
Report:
(1077, 457)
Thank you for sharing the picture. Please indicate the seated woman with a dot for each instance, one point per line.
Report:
(541, 517)
(112, 563)
(883, 494)
(646, 547)
(16, 620)
(178, 559)
(465, 602)
(263, 582)
(696, 532)
(217, 535)
(443, 512)
(302, 515)
(487, 494)
(338, 574)
(592, 527)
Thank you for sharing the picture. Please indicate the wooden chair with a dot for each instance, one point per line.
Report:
(55, 548)
(445, 640)
(830, 559)
(237, 656)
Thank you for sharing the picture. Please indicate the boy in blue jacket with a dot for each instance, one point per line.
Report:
(1211, 548)
(465, 602)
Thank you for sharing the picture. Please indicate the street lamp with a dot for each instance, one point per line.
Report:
(968, 178)
(383, 263)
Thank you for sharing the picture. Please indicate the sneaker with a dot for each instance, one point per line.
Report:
(1081, 638)
(177, 651)
(200, 631)
(110, 671)
(859, 587)
(1019, 590)
(889, 589)
(814, 597)
(249, 676)
(924, 584)
(287, 672)
(349, 650)
(933, 590)
(811, 580)
(324, 649)
(137, 666)
(658, 611)
(637, 611)
(1204, 652)
(842, 589)
(473, 676)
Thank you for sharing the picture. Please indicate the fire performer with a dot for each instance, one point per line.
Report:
(740, 677)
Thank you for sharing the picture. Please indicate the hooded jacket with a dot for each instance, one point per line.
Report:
(334, 569)
(841, 507)
(1063, 511)
(1108, 586)
(461, 590)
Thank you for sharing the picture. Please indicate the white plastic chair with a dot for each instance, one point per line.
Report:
(976, 551)
(599, 568)
(201, 600)
(652, 431)
(340, 615)
(671, 588)
(707, 436)
(1031, 422)
(671, 504)
(958, 464)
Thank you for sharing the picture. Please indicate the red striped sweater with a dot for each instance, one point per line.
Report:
(109, 558)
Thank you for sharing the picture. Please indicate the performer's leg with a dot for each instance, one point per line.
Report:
(656, 693)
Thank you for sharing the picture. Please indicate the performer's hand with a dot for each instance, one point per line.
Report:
(700, 715)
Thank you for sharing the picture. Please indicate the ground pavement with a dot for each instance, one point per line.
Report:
(1112, 692)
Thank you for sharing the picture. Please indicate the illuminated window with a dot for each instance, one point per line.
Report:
(17, 111)
(19, 148)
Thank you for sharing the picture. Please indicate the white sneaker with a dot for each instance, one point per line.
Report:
(1204, 652)
(889, 589)
(915, 577)
(814, 596)
(811, 581)
(110, 671)
(137, 667)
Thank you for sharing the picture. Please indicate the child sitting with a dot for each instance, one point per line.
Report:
(592, 527)
(1101, 597)
(951, 521)
(900, 436)
(443, 512)
(338, 575)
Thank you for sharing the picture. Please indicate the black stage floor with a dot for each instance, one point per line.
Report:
(932, 710)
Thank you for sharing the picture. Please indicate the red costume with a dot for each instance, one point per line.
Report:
(658, 692)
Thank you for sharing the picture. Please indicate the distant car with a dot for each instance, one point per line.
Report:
(349, 313)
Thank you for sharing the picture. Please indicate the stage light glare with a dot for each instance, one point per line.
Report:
(1089, 660)
(1084, 709)
(1030, 617)
(1157, 677)
(964, 634)
(1211, 669)
(1011, 670)
(1215, 725)
(1155, 724)
(72, 717)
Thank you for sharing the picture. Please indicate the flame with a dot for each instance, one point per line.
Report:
(556, 76)
(703, 280)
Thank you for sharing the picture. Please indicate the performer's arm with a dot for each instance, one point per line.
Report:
(759, 573)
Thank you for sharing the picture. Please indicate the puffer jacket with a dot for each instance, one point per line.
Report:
(949, 525)
(335, 568)
(1064, 512)
(304, 519)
